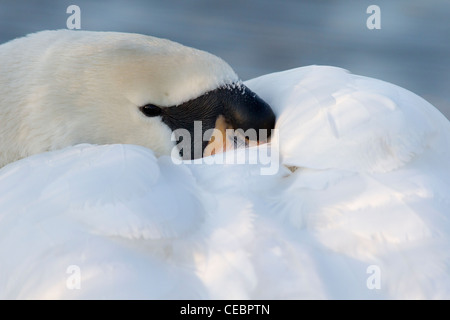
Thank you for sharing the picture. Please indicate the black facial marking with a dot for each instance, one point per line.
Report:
(151, 110)
(241, 107)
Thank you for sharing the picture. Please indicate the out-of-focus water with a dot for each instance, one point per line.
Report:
(412, 48)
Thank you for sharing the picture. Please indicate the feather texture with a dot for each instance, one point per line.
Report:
(369, 197)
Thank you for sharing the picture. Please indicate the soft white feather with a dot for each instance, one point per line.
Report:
(87, 87)
(371, 188)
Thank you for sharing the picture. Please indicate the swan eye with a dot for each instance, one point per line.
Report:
(150, 110)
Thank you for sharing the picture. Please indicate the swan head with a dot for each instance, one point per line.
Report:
(107, 87)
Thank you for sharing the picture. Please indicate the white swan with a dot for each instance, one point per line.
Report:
(364, 215)
(61, 88)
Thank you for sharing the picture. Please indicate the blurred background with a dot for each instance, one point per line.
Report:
(256, 37)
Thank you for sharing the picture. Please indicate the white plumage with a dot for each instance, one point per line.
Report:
(61, 88)
(371, 189)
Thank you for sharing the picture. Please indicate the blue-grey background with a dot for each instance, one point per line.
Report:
(256, 37)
